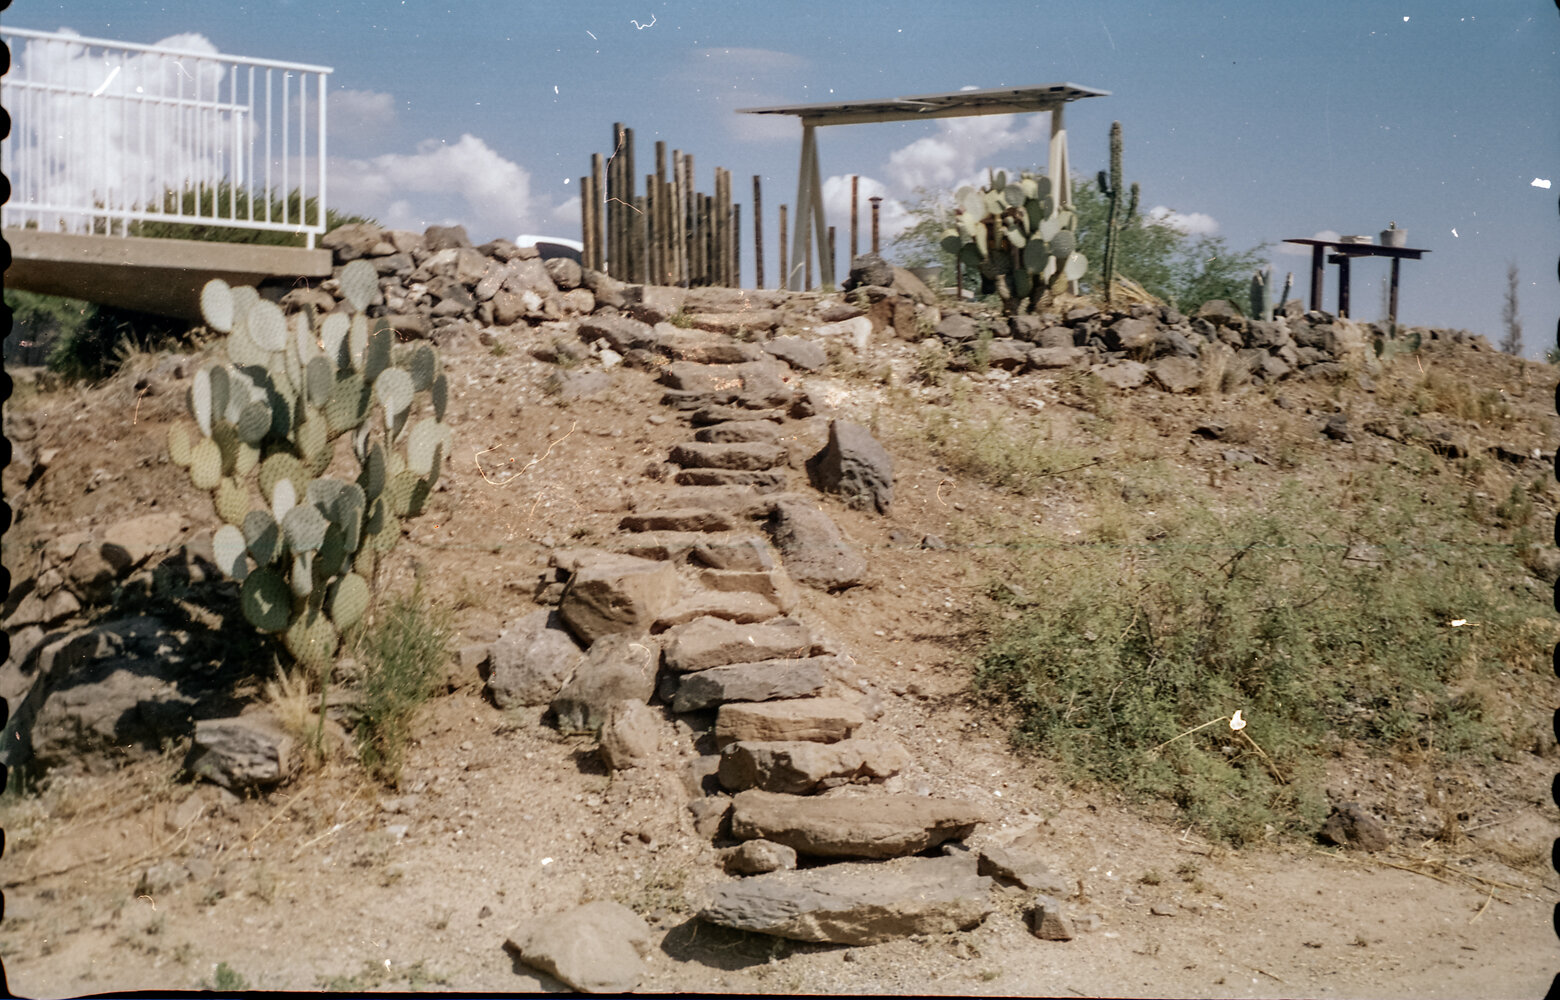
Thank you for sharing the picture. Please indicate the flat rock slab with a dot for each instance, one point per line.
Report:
(865, 826)
(799, 767)
(1123, 375)
(766, 680)
(679, 519)
(763, 481)
(1016, 866)
(774, 585)
(819, 720)
(738, 432)
(736, 499)
(856, 904)
(705, 416)
(734, 607)
(595, 948)
(715, 642)
(745, 457)
(242, 753)
(746, 552)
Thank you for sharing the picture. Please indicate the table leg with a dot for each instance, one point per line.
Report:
(1316, 277)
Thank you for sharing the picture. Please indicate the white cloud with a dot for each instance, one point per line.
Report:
(1190, 223)
(358, 118)
(464, 182)
(1300, 250)
(963, 148)
(892, 216)
(727, 78)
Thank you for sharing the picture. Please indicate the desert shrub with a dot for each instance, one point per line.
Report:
(404, 652)
(1124, 652)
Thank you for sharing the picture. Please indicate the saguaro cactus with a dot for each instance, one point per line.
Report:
(1110, 187)
(307, 552)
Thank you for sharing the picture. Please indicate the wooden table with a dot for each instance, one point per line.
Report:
(1343, 253)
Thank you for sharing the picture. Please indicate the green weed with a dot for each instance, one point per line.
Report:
(405, 650)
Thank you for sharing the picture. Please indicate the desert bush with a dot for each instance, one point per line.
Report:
(404, 652)
(1126, 652)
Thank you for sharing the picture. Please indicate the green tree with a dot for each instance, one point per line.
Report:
(1511, 343)
(1182, 269)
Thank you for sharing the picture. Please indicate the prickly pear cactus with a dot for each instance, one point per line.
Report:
(306, 544)
(1014, 234)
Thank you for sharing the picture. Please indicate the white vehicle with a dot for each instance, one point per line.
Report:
(552, 246)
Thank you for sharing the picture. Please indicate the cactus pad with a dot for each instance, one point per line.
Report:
(179, 445)
(319, 379)
(265, 600)
(359, 284)
(277, 467)
(363, 562)
(267, 326)
(1062, 244)
(348, 600)
(312, 640)
(393, 389)
(377, 357)
(333, 333)
(425, 437)
(231, 500)
(422, 364)
(262, 536)
(347, 405)
(399, 491)
(254, 421)
(200, 400)
(205, 464)
(314, 442)
(1077, 266)
(357, 340)
(304, 527)
(302, 579)
(227, 548)
(284, 497)
(372, 478)
(216, 305)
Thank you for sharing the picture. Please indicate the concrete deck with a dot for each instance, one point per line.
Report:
(156, 276)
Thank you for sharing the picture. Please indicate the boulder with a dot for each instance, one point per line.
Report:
(530, 662)
(814, 552)
(736, 324)
(351, 241)
(1176, 374)
(436, 238)
(608, 290)
(799, 767)
(1055, 336)
(766, 680)
(880, 825)
(1349, 825)
(1048, 922)
(1056, 357)
(615, 668)
(622, 333)
(869, 269)
(855, 465)
(610, 593)
(798, 353)
(630, 734)
(906, 283)
(248, 752)
(758, 857)
(819, 720)
(957, 327)
(1131, 335)
(1007, 354)
(856, 904)
(1014, 865)
(529, 276)
(599, 947)
(856, 331)
(714, 642)
(1123, 374)
(1220, 312)
(565, 273)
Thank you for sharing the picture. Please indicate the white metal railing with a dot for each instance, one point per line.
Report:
(107, 134)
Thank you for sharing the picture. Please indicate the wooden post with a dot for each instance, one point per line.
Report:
(597, 186)
(703, 245)
(758, 235)
(875, 202)
(587, 253)
(783, 258)
(614, 244)
(679, 224)
(630, 203)
(829, 271)
(807, 270)
(637, 244)
(736, 246)
(854, 182)
(661, 244)
(1392, 301)
(718, 244)
(691, 204)
(1343, 285)
(652, 230)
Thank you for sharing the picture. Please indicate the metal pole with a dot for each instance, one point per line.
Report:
(783, 257)
(876, 199)
(1392, 304)
(1318, 275)
(830, 272)
(1343, 285)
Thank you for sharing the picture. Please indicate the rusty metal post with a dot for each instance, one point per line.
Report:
(1318, 275)
(1343, 285)
(854, 245)
(1392, 301)
(829, 272)
(758, 235)
(736, 245)
(876, 200)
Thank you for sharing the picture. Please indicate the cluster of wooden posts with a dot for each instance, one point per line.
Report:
(673, 235)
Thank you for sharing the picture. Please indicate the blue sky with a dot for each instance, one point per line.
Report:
(1256, 121)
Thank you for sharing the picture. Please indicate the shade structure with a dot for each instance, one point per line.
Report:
(810, 228)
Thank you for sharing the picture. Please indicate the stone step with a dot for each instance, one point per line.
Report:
(739, 431)
(765, 680)
(738, 498)
(736, 607)
(737, 552)
(715, 642)
(799, 767)
(874, 825)
(856, 903)
(762, 481)
(774, 585)
(723, 414)
(820, 720)
(747, 457)
(679, 519)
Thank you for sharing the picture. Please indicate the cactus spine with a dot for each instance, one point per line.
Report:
(305, 553)
(1110, 187)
